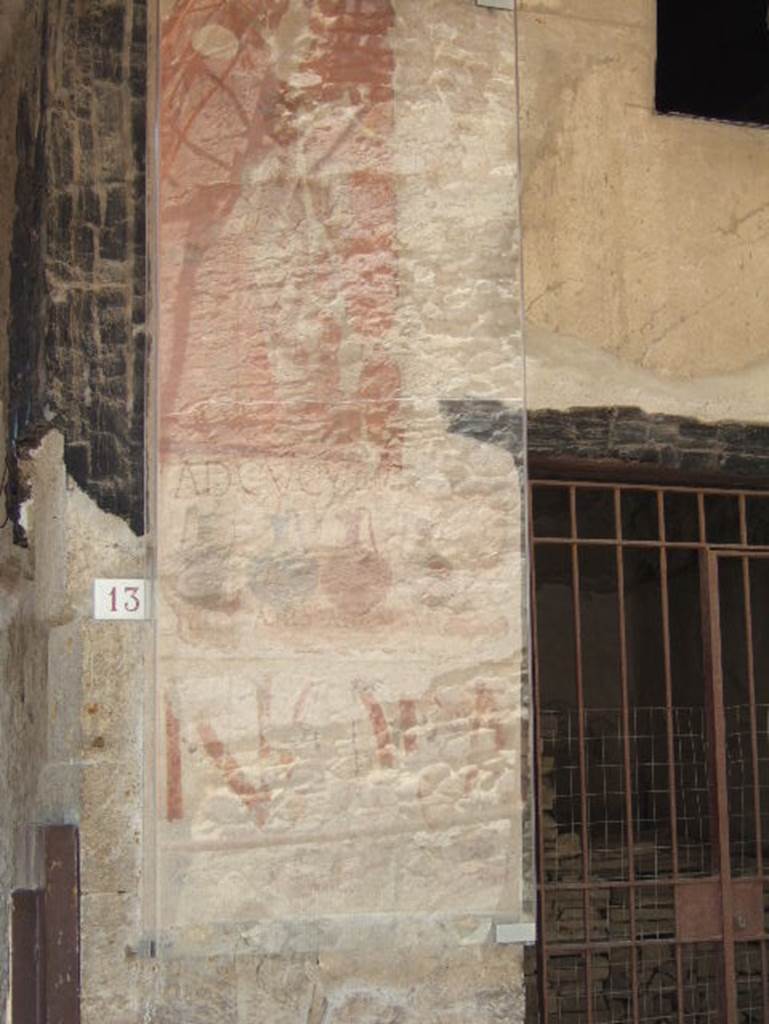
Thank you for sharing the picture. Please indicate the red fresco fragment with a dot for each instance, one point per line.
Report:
(230, 116)
(408, 721)
(174, 793)
(393, 740)
(487, 712)
(255, 799)
(380, 728)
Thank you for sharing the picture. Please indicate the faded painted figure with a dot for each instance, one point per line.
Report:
(276, 120)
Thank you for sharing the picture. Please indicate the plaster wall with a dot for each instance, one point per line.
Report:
(645, 237)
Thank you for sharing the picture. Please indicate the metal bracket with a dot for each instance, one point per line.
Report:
(502, 5)
(145, 948)
(516, 934)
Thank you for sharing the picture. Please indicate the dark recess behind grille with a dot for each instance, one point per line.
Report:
(713, 59)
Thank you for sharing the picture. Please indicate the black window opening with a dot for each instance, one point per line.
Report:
(713, 59)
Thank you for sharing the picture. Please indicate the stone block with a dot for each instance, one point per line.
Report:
(196, 992)
(111, 973)
(114, 665)
(110, 826)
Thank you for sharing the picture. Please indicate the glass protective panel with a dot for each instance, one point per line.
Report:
(341, 696)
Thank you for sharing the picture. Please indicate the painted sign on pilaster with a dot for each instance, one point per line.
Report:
(341, 742)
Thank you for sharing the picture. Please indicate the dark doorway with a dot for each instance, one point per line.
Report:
(713, 59)
(652, 754)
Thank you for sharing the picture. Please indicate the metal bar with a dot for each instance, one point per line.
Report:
(607, 945)
(27, 957)
(709, 555)
(626, 756)
(609, 485)
(576, 611)
(714, 669)
(702, 521)
(691, 545)
(640, 883)
(751, 667)
(542, 981)
(62, 924)
(602, 946)
(670, 728)
(756, 554)
(669, 721)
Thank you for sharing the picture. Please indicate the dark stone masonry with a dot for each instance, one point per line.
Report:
(672, 446)
(78, 342)
(619, 439)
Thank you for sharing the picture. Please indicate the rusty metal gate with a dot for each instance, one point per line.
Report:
(652, 756)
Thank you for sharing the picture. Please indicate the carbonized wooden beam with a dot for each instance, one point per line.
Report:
(61, 923)
(27, 958)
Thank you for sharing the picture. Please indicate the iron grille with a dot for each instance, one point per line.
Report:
(652, 753)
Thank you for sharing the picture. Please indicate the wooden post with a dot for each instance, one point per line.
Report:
(61, 923)
(27, 957)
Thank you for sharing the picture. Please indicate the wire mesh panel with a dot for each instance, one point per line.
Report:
(703, 978)
(750, 983)
(652, 715)
(658, 992)
(568, 1000)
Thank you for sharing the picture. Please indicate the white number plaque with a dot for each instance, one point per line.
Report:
(119, 599)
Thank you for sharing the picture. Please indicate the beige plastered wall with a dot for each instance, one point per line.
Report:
(646, 237)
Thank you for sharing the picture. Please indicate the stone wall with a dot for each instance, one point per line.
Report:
(72, 283)
(77, 342)
(22, 657)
